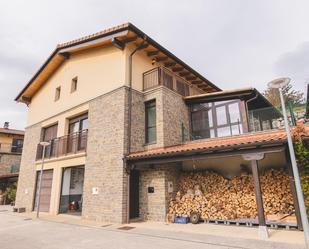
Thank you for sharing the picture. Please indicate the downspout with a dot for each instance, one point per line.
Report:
(126, 166)
(247, 111)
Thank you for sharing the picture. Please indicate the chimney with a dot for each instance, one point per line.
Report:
(6, 125)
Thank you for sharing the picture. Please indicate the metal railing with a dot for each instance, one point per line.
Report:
(61, 146)
(162, 76)
(10, 148)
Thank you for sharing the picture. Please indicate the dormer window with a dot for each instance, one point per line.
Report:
(57, 93)
(74, 84)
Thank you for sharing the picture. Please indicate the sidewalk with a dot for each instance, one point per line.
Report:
(221, 235)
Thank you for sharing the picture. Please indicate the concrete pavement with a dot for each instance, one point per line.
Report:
(18, 231)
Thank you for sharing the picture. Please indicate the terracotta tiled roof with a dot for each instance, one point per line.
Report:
(93, 36)
(274, 136)
(12, 131)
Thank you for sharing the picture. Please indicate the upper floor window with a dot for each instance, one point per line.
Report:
(57, 93)
(17, 145)
(150, 124)
(216, 119)
(74, 84)
(77, 138)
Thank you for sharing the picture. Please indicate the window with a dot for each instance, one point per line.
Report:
(57, 93)
(150, 127)
(17, 145)
(77, 138)
(216, 119)
(74, 84)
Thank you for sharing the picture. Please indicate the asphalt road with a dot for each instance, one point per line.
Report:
(17, 232)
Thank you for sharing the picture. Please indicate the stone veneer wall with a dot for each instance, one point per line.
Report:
(104, 163)
(171, 113)
(175, 113)
(154, 206)
(27, 173)
(7, 160)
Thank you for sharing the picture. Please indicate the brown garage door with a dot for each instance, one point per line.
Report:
(47, 180)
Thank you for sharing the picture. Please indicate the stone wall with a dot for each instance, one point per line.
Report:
(171, 112)
(104, 162)
(27, 173)
(7, 160)
(154, 206)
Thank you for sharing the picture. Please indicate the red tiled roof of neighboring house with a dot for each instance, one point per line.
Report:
(9, 175)
(12, 131)
(249, 139)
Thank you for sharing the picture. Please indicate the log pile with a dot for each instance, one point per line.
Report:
(214, 197)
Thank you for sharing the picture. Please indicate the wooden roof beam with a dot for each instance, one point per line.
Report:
(129, 39)
(162, 58)
(177, 69)
(169, 64)
(117, 43)
(191, 78)
(197, 82)
(184, 74)
(152, 53)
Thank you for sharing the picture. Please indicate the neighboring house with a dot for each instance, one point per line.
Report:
(124, 116)
(11, 145)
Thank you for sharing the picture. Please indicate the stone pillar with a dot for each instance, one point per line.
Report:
(27, 173)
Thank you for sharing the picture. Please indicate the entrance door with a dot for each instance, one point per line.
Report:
(134, 194)
(71, 199)
(47, 179)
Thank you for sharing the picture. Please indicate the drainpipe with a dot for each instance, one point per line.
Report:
(130, 93)
(247, 111)
(129, 123)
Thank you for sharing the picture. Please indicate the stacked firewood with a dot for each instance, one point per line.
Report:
(214, 197)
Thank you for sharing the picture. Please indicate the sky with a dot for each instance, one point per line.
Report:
(233, 43)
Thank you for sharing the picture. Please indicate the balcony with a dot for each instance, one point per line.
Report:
(10, 148)
(161, 76)
(66, 145)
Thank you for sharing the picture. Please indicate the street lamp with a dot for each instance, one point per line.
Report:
(44, 144)
(279, 84)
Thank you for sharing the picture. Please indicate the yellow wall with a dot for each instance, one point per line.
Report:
(5, 139)
(57, 165)
(99, 71)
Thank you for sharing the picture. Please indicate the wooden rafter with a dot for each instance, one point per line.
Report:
(162, 58)
(182, 74)
(169, 64)
(129, 39)
(177, 69)
(197, 82)
(191, 78)
(152, 53)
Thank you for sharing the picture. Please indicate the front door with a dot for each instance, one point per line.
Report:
(134, 194)
(47, 179)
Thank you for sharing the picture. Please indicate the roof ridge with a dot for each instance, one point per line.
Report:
(94, 35)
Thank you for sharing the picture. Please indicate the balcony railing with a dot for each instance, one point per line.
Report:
(10, 148)
(66, 145)
(162, 76)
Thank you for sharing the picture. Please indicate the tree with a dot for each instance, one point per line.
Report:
(290, 95)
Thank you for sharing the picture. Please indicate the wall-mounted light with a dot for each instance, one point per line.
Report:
(153, 61)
